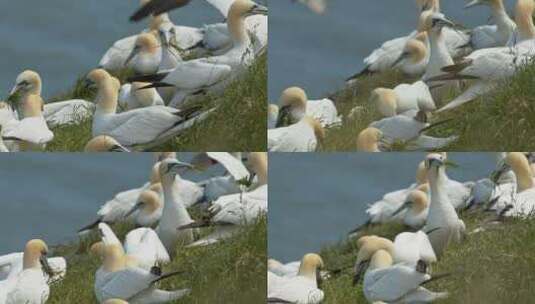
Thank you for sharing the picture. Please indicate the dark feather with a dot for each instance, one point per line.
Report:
(157, 7)
(147, 78)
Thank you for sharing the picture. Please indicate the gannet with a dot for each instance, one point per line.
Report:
(409, 130)
(294, 103)
(148, 209)
(384, 57)
(302, 136)
(486, 67)
(399, 283)
(142, 127)
(116, 209)
(439, 54)
(370, 140)
(174, 214)
(142, 247)
(146, 55)
(414, 57)
(131, 97)
(442, 215)
(12, 264)
(487, 36)
(229, 212)
(215, 36)
(29, 286)
(382, 211)
(186, 37)
(31, 132)
(417, 205)
(55, 113)
(520, 203)
(407, 248)
(403, 98)
(116, 279)
(302, 288)
(213, 73)
(103, 143)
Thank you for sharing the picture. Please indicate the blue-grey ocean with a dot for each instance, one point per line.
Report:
(52, 195)
(316, 198)
(319, 52)
(63, 39)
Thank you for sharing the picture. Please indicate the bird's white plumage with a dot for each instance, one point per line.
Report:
(233, 165)
(299, 137)
(297, 289)
(411, 247)
(67, 112)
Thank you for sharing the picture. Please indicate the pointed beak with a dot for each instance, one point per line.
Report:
(46, 267)
(283, 112)
(134, 209)
(400, 59)
(473, 3)
(497, 174)
(403, 207)
(131, 56)
(258, 10)
(89, 84)
(361, 268)
(14, 90)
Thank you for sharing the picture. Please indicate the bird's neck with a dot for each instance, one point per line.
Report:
(524, 23)
(106, 99)
(236, 28)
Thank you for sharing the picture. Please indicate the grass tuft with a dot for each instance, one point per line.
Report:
(232, 271)
(507, 114)
(238, 123)
(493, 266)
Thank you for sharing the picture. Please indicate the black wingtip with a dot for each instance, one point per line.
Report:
(91, 226)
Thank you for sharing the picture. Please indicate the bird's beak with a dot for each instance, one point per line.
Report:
(46, 267)
(283, 112)
(473, 3)
(471, 202)
(495, 176)
(131, 56)
(361, 268)
(118, 148)
(400, 59)
(14, 90)
(403, 207)
(134, 209)
(258, 10)
(434, 163)
(89, 84)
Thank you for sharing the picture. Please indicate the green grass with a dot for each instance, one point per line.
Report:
(503, 119)
(493, 266)
(238, 123)
(232, 271)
